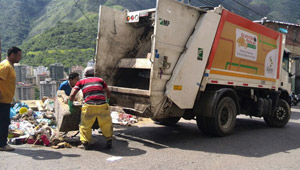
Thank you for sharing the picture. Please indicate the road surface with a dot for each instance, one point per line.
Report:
(146, 145)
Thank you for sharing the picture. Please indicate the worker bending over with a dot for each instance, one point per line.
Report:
(96, 106)
(69, 84)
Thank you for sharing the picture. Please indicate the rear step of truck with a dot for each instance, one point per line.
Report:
(123, 90)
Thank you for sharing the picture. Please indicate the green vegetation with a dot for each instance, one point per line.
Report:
(67, 35)
(68, 58)
(69, 43)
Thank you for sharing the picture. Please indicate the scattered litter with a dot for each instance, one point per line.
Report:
(123, 118)
(114, 158)
(36, 125)
(62, 145)
(32, 127)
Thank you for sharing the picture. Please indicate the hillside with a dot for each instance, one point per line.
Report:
(56, 30)
(16, 18)
(69, 43)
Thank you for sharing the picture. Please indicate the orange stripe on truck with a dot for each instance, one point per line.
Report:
(224, 73)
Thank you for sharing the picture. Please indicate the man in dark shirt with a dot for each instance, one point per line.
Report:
(96, 106)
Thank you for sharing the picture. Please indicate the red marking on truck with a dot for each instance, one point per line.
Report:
(214, 81)
(248, 24)
(245, 84)
(279, 56)
(229, 82)
(260, 86)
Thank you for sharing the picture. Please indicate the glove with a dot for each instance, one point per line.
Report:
(71, 107)
(107, 100)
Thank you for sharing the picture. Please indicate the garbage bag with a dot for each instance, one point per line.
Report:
(12, 112)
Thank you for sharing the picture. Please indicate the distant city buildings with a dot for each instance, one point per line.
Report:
(39, 78)
(30, 79)
(91, 63)
(24, 91)
(20, 72)
(78, 69)
(40, 70)
(56, 71)
(29, 71)
(48, 88)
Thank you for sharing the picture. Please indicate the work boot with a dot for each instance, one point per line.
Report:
(7, 148)
(109, 144)
(84, 146)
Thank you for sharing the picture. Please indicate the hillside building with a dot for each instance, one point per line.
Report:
(48, 88)
(24, 91)
(90, 63)
(20, 72)
(78, 69)
(29, 71)
(40, 70)
(56, 71)
(31, 80)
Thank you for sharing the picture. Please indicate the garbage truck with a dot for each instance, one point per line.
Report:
(206, 64)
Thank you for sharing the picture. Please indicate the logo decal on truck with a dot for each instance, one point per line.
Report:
(270, 64)
(246, 45)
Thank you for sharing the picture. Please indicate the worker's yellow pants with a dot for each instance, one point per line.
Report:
(89, 113)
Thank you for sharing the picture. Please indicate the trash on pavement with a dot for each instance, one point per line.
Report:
(114, 158)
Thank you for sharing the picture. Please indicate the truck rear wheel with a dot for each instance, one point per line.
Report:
(167, 121)
(224, 119)
(281, 116)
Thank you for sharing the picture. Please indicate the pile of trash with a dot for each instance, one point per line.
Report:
(119, 117)
(32, 127)
(35, 122)
(124, 119)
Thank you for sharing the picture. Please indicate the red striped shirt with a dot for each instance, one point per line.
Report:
(92, 89)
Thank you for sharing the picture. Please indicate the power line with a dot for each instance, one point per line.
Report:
(243, 5)
(236, 10)
(76, 5)
(255, 12)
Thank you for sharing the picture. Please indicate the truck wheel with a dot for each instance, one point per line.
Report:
(224, 121)
(167, 121)
(281, 116)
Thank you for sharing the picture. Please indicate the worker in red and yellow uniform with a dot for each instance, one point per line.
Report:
(96, 106)
(7, 92)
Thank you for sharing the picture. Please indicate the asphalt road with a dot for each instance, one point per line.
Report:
(146, 145)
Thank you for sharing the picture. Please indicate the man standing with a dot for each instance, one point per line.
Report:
(96, 106)
(7, 92)
(69, 84)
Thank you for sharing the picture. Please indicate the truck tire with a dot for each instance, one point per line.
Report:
(224, 119)
(281, 116)
(170, 121)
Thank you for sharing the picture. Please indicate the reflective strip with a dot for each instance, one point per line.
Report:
(92, 85)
